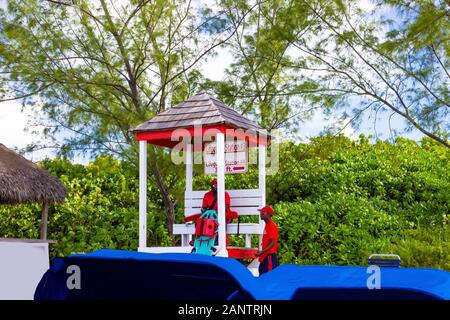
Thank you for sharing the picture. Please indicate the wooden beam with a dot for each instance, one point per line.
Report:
(44, 216)
(262, 173)
(142, 194)
(262, 181)
(27, 240)
(220, 160)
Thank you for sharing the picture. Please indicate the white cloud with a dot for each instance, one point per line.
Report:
(14, 123)
(214, 67)
(317, 125)
(367, 5)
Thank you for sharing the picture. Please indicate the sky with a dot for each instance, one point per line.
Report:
(14, 120)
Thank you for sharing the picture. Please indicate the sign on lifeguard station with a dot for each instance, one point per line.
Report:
(235, 157)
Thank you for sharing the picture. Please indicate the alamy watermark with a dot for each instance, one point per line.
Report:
(74, 278)
(73, 281)
(374, 280)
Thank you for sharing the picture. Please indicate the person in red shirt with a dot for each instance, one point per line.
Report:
(210, 198)
(268, 259)
(210, 203)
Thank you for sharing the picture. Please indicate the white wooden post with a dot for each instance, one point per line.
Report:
(220, 160)
(142, 194)
(262, 173)
(262, 181)
(186, 238)
(248, 241)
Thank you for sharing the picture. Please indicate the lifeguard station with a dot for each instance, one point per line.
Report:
(190, 127)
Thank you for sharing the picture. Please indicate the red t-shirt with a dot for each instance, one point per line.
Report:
(270, 232)
(208, 199)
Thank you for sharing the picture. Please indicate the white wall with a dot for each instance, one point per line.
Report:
(22, 265)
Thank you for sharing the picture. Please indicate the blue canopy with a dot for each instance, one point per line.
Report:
(115, 274)
(350, 283)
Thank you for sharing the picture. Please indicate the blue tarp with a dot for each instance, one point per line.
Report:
(350, 282)
(116, 274)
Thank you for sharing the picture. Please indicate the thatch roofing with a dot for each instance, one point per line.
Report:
(23, 181)
(201, 108)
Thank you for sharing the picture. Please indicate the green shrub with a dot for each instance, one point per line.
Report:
(337, 201)
(339, 229)
(101, 210)
(425, 248)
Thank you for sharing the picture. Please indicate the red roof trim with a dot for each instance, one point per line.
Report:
(173, 137)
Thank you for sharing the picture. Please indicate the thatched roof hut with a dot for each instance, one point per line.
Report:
(22, 181)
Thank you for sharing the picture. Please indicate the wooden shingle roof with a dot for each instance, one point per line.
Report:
(202, 108)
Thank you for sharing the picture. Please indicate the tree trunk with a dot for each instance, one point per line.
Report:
(168, 203)
(170, 211)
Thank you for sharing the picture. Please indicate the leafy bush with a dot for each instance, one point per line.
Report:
(425, 248)
(101, 210)
(408, 179)
(337, 201)
(338, 229)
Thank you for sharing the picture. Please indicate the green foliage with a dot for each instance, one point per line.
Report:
(337, 229)
(336, 201)
(390, 58)
(425, 248)
(20, 221)
(112, 66)
(404, 177)
(101, 210)
(101, 68)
